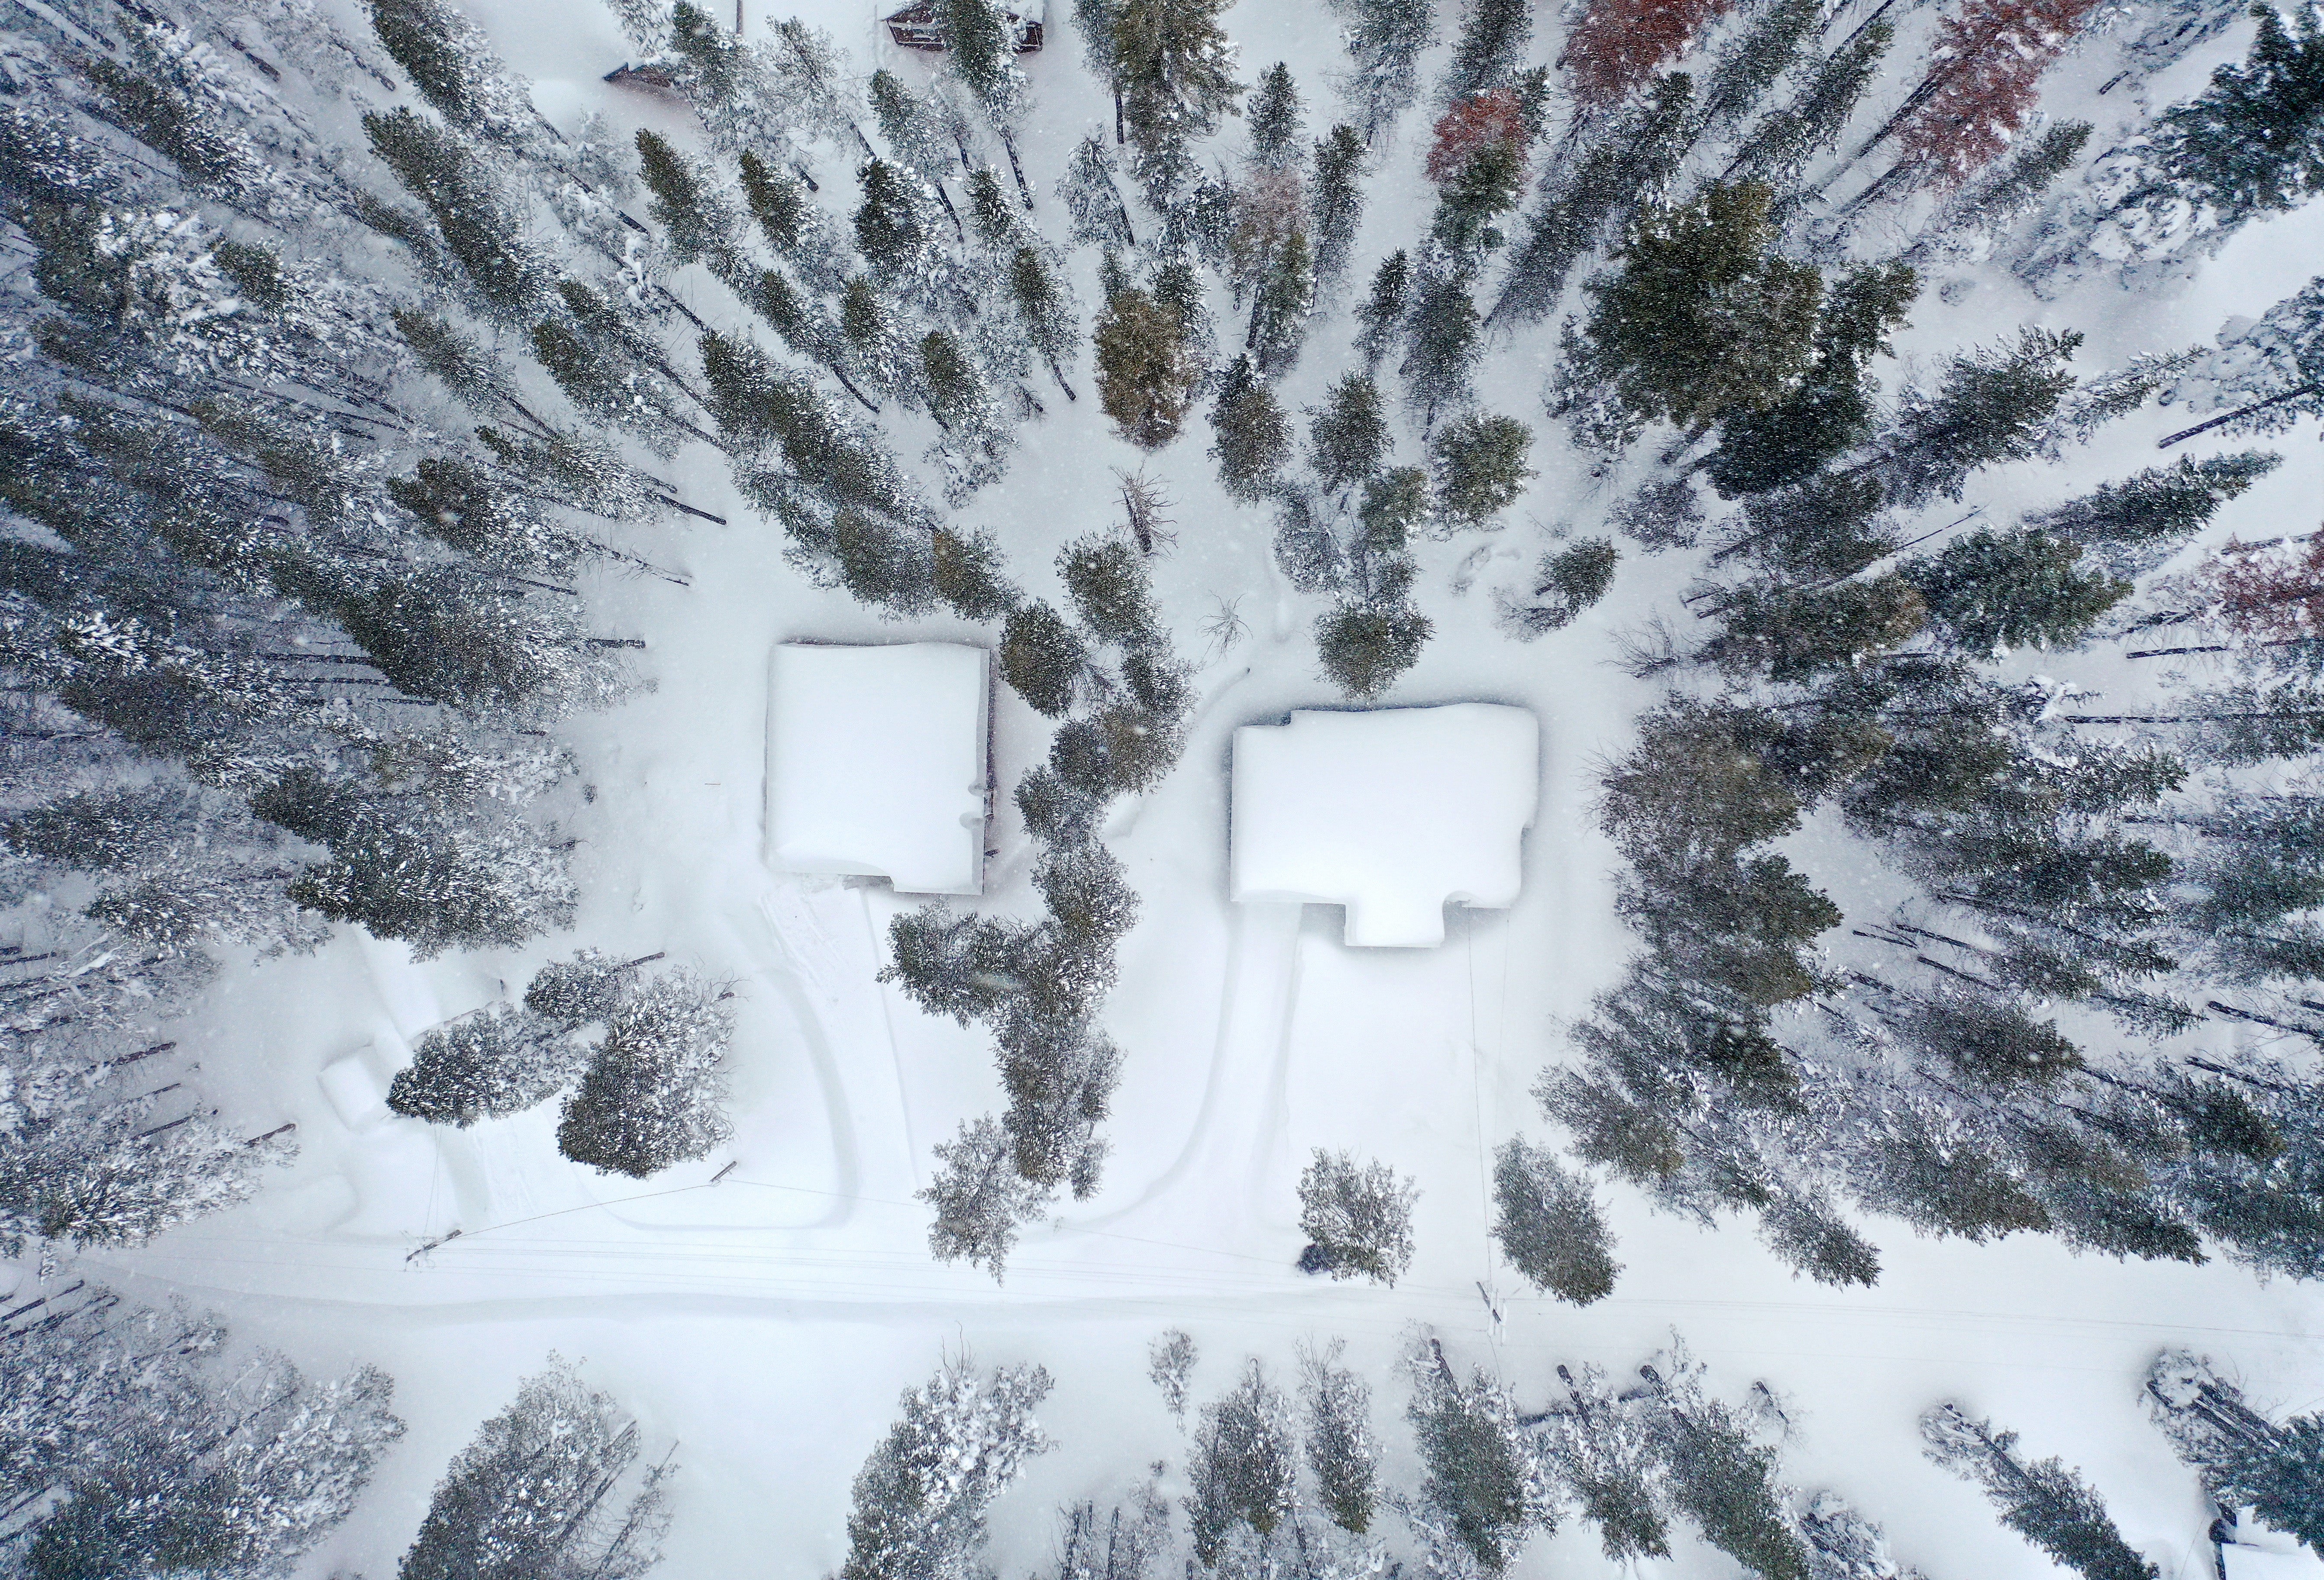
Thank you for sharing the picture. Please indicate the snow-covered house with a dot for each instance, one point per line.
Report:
(876, 763)
(2249, 1549)
(915, 26)
(1391, 812)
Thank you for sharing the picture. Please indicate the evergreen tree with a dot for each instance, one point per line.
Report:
(1723, 1481)
(1548, 1227)
(1790, 634)
(2021, 589)
(1175, 68)
(1254, 436)
(2247, 145)
(2132, 525)
(1784, 139)
(1343, 1450)
(1988, 410)
(473, 217)
(1092, 202)
(1442, 340)
(651, 1095)
(1479, 468)
(1704, 316)
(1348, 436)
(499, 1060)
(135, 1445)
(1274, 120)
(1365, 645)
(2277, 1471)
(1041, 658)
(919, 1501)
(1243, 1466)
(1358, 1218)
(1336, 202)
(1482, 1491)
(2042, 1502)
(1493, 39)
(979, 1197)
(1146, 374)
(527, 1496)
(1382, 311)
(1384, 42)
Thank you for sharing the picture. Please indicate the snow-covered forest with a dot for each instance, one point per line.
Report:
(1873, 441)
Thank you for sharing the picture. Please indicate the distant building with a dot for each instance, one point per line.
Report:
(1393, 813)
(2249, 1550)
(877, 763)
(915, 27)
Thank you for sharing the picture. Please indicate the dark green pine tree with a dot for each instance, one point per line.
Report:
(891, 230)
(696, 225)
(652, 1094)
(1790, 634)
(2248, 146)
(1243, 1466)
(1492, 45)
(1336, 201)
(1381, 313)
(1783, 140)
(1704, 317)
(1989, 409)
(1254, 436)
(1725, 1484)
(2044, 1502)
(1567, 581)
(1479, 466)
(1993, 590)
(1831, 411)
(1273, 120)
(2153, 512)
(1548, 1227)
(1041, 658)
(1348, 436)
(1480, 1490)
(480, 229)
(1441, 343)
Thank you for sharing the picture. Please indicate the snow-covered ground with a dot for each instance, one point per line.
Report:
(765, 1324)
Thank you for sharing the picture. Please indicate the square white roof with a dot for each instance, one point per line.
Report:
(1391, 812)
(876, 763)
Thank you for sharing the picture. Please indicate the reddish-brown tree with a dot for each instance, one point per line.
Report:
(2266, 596)
(1987, 68)
(1617, 43)
(1494, 115)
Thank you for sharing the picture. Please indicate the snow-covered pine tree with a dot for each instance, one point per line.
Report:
(137, 1440)
(1484, 1489)
(1357, 1217)
(1342, 1448)
(2042, 1500)
(1243, 1468)
(499, 1060)
(920, 1499)
(2246, 1460)
(1548, 1225)
(653, 1093)
(531, 1494)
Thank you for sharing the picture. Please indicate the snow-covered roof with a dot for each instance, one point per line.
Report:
(876, 763)
(1391, 812)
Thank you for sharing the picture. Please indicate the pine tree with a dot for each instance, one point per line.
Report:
(1254, 436)
(1478, 470)
(1482, 1491)
(1704, 316)
(1722, 1481)
(1243, 1466)
(1382, 311)
(919, 1501)
(499, 1060)
(2132, 525)
(1274, 119)
(1146, 374)
(1175, 67)
(1358, 1218)
(473, 217)
(1493, 39)
(651, 1095)
(1092, 202)
(135, 1445)
(1384, 40)
(2021, 589)
(1548, 1227)
(1348, 436)
(2247, 145)
(2044, 1502)
(1988, 410)
(1336, 201)
(525, 1496)
(2275, 1470)
(1442, 334)
(1365, 645)
(1343, 1450)
(1786, 138)
(1041, 658)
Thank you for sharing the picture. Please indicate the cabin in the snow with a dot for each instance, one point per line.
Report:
(915, 26)
(877, 763)
(1393, 813)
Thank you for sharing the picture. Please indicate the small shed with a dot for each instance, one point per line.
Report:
(1393, 813)
(917, 27)
(876, 763)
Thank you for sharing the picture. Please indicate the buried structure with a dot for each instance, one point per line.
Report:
(876, 763)
(1393, 813)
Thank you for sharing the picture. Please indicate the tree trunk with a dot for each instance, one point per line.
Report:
(2168, 439)
(1018, 170)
